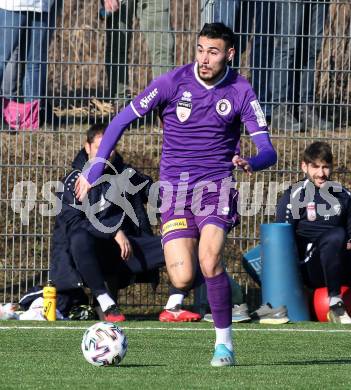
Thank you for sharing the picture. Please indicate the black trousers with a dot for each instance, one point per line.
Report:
(327, 263)
(98, 260)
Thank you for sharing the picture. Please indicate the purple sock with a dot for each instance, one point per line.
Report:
(219, 296)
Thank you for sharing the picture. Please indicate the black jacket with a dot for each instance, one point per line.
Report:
(312, 211)
(109, 215)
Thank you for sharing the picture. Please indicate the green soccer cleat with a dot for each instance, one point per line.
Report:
(222, 357)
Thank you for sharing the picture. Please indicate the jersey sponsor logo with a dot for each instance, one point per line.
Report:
(144, 102)
(223, 107)
(187, 96)
(174, 224)
(184, 106)
(261, 120)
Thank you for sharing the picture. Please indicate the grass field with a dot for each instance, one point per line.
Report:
(176, 356)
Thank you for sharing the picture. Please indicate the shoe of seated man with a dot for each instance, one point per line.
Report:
(338, 314)
(240, 313)
(177, 314)
(222, 357)
(266, 314)
(112, 314)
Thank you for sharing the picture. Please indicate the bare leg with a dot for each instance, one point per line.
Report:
(181, 257)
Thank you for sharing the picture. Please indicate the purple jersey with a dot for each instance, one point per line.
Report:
(201, 124)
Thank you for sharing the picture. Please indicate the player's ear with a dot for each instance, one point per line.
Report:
(304, 167)
(230, 54)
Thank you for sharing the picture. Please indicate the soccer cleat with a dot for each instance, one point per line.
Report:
(177, 314)
(222, 357)
(240, 313)
(266, 314)
(112, 314)
(338, 314)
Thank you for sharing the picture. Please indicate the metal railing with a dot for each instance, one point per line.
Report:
(83, 65)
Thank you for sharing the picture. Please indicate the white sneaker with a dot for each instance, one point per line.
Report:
(338, 314)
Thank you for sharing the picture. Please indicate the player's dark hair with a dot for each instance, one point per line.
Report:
(218, 31)
(318, 151)
(94, 130)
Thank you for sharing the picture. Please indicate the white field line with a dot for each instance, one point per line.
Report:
(289, 330)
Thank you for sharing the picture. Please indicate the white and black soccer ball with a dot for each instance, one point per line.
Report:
(104, 344)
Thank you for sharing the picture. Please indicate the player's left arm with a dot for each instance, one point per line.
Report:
(253, 118)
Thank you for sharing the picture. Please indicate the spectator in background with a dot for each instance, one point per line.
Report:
(299, 34)
(28, 21)
(320, 212)
(154, 17)
(13, 70)
(244, 16)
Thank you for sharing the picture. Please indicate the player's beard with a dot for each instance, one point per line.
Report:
(213, 76)
(317, 181)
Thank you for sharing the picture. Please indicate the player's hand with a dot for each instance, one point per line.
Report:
(348, 246)
(81, 187)
(240, 162)
(111, 5)
(124, 244)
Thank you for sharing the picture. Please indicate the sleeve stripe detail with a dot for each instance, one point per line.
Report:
(134, 109)
(296, 192)
(300, 188)
(258, 132)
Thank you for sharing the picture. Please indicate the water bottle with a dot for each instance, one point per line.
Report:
(49, 295)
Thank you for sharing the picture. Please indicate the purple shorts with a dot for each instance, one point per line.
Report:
(185, 216)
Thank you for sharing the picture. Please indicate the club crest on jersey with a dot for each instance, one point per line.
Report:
(184, 106)
(223, 107)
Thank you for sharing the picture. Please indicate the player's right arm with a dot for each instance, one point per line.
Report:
(155, 94)
(253, 118)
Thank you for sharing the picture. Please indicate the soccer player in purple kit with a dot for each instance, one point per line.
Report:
(202, 106)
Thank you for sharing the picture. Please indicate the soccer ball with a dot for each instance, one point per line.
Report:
(104, 344)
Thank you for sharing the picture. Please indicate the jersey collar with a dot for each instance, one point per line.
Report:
(203, 83)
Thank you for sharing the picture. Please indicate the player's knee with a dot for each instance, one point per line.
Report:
(181, 280)
(210, 264)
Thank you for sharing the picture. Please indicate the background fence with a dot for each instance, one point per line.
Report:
(90, 63)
